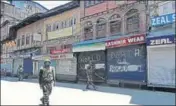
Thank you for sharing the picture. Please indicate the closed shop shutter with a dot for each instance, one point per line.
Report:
(66, 69)
(127, 63)
(7, 66)
(28, 66)
(98, 58)
(161, 66)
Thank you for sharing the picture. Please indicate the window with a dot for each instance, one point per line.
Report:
(32, 39)
(101, 28)
(115, 24)
(62, 25)
(57, 26)
(23, 40)
(18, 42)
(92, 2)
(48, 28)
(65, 23)
(173, 5)
(74, 21)
(54, 27)
(70, 22)
(165, 9)
(115, 27)
(27, 40)
(132, 24)
(66, 46)
(88, 31)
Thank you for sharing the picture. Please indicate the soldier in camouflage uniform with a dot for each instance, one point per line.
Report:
(89, 72)
(46, 81)
(20, 73)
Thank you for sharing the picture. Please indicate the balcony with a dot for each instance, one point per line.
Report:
(32, 45)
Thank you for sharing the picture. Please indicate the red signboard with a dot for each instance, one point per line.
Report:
(60, 51)
(137, 39)
(61, 56)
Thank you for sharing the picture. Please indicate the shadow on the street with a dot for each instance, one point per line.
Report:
(140, 97)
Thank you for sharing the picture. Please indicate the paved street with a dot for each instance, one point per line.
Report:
(29, 93)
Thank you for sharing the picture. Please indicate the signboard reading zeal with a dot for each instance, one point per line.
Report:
(162, 20)
(137, 39)
(161, 40)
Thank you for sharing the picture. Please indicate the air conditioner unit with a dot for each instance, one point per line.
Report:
(37, 37)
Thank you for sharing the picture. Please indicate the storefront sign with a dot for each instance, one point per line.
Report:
(162, 40)
(138, 39)
(162, 20)
(61, 56)
(53, 57)
(60, 51)
(60, 33)
(89, 47)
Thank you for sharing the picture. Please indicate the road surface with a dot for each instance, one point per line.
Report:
(28, 92)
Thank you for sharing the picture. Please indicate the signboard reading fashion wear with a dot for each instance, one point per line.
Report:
(162, 20)
(161, 40)
(137, 39)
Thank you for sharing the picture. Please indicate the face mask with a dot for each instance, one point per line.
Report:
(47, 64)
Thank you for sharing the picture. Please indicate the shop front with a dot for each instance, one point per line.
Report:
(17, 62)
(38, 62)
(7, 66)
(65, 64)
(126, 60)
(161, 61)
(24, 58)
(94, 52)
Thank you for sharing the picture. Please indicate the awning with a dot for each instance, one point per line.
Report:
(89, 47)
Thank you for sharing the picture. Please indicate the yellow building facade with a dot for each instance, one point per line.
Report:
(63, 24)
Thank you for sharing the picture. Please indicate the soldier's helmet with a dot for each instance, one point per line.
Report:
(47, 60)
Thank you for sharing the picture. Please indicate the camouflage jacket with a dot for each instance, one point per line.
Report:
(46, 75)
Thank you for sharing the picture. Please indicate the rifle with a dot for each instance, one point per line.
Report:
(99, 76)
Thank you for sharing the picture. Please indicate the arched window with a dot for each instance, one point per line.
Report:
(88, 31)
(132, 21)
(115, 24)
(101, 28)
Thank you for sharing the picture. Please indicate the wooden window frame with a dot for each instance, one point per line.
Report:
(23, 40)
(115, 24)
(132, 19)
(18, 42)
(27, 40)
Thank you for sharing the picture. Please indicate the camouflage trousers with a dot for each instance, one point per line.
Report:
(47, 89)
(90, 82)
(20, 76)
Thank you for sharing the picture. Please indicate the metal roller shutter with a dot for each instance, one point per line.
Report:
(161, 67)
